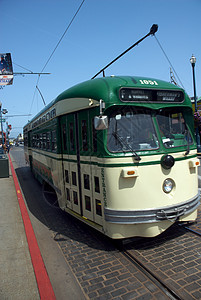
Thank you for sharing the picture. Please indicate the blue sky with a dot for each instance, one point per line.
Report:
(101, 31)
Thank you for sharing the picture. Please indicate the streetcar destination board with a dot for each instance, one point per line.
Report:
(150, 95)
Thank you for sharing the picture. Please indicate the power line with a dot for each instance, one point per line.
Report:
(23, 67)
(36, 88)
(168, 61)
(63, 35)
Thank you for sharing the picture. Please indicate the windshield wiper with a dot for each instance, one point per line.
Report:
(123, 143)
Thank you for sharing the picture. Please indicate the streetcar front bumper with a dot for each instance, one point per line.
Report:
(171, 213)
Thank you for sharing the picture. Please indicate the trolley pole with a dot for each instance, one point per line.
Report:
(152, 31)
(193, 61)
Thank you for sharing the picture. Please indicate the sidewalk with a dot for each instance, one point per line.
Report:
(22, 271)
(16, 271)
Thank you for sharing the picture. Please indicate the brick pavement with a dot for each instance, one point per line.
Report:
(101, 270)
(174, 257)
(104, 274)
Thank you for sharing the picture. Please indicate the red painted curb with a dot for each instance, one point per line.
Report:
(43, 281)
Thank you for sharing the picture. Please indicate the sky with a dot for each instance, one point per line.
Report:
(101, 30)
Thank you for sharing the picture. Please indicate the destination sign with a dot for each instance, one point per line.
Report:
(150, 95)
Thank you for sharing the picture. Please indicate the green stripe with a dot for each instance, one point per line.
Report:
(116, 165)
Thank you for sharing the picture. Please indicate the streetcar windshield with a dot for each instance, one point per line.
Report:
(131, 129)
(173, 129)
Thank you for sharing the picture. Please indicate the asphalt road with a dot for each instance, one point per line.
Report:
(64, 284)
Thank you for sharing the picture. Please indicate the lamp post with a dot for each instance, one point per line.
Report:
(193, 61)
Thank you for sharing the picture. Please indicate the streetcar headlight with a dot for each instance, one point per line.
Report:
(168, 185)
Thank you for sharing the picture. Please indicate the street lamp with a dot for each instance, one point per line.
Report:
(193, 61)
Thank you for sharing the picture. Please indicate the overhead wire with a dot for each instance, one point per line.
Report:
(69, 25)
(23, 67)
(169, 61)
(63, 35)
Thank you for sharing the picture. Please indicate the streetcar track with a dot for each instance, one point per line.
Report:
(192, 230)
(150, 275)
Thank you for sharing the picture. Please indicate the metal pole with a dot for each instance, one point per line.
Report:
(1, 124)
(194, 87)
(152, 31)
(193, 60)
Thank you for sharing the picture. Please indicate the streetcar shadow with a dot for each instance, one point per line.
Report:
(64, 226)
(172, 233)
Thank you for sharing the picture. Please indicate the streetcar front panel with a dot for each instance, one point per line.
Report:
(151, 174)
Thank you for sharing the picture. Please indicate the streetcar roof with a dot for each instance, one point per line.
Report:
(105, 88)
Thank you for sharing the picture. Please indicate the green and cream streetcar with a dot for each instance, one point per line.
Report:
(120, 154)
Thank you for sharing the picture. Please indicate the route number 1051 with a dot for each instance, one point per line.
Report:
(151, 82)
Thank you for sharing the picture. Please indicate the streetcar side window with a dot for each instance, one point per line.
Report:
(64, 137)
(34, 141)
(86, 182)
(40, 141)
(54, 141)
(75, 197)
(37, 141)
(98, 207)
(72, 140)
(96, 184)
(84, 136)
(74, 180)
(87, 203)
(68, 194)
(48, 139)
(44, 141)
(94, 137)
(66, 176)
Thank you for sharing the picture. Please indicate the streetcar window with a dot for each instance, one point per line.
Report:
(96, 183)
(74, 180)
(54, 141)
(131, 129)
(37, 141)
(34, 141)
(98, 207)
(66, 176)
(87, 203)
(48, 139)
(86, 182)
(40, 140)
(94, 137)
(72, 141)
(75, 197)
(44, 141)
(84, 135)
(68, 194)
(64, 136)
(173, 129)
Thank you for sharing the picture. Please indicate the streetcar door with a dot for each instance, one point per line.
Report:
(71, 170)
(65, 162)
(91, 202)
(85, 164)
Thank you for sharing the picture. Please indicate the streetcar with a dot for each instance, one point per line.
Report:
(119, 153)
